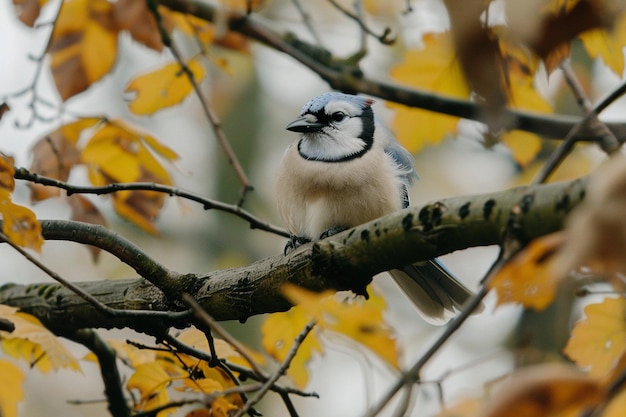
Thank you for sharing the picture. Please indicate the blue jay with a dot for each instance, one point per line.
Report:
(347, 169)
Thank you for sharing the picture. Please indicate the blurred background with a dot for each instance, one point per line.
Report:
(259, 94)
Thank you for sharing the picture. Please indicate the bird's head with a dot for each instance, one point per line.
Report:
(335, 127)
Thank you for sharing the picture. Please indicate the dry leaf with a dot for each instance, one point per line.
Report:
(83, 45)
(83, 210)
(528, 277)
(151, 380)
(135, 17)
(596, 230)
(11, 391)
(555, 390)
(34, 343)
(20, 224)
(28, 10)
(599, 340)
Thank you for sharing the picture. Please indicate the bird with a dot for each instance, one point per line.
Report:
(345, 169)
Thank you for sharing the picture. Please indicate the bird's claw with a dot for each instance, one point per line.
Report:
(294, 242)
(332, 231)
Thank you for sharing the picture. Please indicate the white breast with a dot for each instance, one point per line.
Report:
(314, 196)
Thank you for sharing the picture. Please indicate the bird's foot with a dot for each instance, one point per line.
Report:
(332, 231)
(294, 242)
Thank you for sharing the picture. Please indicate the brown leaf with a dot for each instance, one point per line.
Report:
(4, 107)
(478, 53)
(28, 10)
(135, 17)
(53, 156)
(556, 390)
(83, 45)
(83, 210)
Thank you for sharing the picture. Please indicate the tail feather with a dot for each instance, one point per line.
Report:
(433, 289)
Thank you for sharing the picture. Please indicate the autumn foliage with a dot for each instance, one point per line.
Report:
(489, 64)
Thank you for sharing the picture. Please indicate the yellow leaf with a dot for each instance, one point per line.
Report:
(608, 45)
(555, 390)
(11, 391)
(279, 331)
(524, 146)
(599, 340)
(527, 278)
(19, 223)
(83, 45)
(118, 153)
(357, 319)
(151, 380)
(221, 407)
(34, 343)
(7, 173)
(433, 68)
(616, 406)
(163, 88)
(127, 353)
(197, 339)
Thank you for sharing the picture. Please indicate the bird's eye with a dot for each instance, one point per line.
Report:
(338, 116)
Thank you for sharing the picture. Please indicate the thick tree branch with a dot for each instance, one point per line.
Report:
(345, 261)
(345, 75)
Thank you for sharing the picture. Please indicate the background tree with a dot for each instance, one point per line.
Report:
(147, 103)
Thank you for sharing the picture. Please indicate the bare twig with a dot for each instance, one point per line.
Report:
(280, 371)
(306, 19)
(209, 322)
(574, 135)
(208, 111)
(208, 204)
(384, 38)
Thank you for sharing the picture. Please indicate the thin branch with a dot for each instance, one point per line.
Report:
(209, 322)
(280, 371)
(306, 19)
(344, 75)
(208, 111)
(208, 204)
(383, 38)
(412, 375)
(118, 405)
(559, 154)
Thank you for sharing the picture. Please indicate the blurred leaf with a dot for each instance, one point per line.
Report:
(599, 340)
(127, 353)
(55, 155)
(83, 45)
(596, 229)
(28, 10)
(524, 146)
(527, 278)
(7, 173)
(221, 407)
(357, 319)
(279, 332)
(165, 87)
(33, 342)
(433, 68)
(11, 391)
(468, 407)
(200, 412)
(608, 44)
(135, 17)
(4, 107)
(20, 224)
(118, 153)
(555, 390)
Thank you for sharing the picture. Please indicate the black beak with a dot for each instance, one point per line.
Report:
(302, 125)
